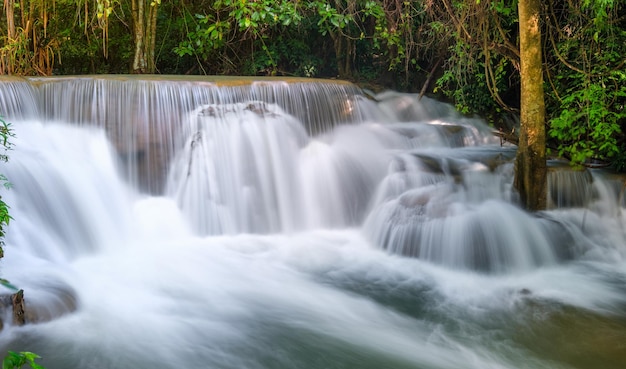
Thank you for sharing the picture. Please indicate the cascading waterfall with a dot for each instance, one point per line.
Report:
(144, 118)
(169, 222)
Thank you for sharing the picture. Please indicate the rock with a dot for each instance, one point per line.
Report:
(15, 302)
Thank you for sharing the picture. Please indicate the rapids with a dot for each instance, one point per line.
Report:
(210, 223)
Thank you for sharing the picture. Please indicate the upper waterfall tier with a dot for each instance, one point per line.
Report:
(148, 119)
(115, 100)
(145, 116)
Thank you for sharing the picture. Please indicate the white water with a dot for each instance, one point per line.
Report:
(390, 243)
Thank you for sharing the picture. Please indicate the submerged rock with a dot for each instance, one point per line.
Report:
(493, 236)
(20, 311)
(13, 305)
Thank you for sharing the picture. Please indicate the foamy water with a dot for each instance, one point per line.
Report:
(373, 244)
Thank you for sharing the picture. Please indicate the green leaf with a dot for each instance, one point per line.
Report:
(14, 360)
(8, 284)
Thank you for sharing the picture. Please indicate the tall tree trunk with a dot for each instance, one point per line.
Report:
(530, 162)
(343, 54)
(152, 45)
(139, 60)
(144, 14)
(9, 6)
(6, 62)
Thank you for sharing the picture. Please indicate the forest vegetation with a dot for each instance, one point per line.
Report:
(463, 51)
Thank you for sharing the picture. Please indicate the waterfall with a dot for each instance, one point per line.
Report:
(144, 117)
(287, 156)
(18, 99)
(174, 222)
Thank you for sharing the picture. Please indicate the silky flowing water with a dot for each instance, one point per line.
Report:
(207, 223)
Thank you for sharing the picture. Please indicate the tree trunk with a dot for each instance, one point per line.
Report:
(152, 30)
(530, 162)
(9, 6)
(6, 63)
(139, 60)
(343, 55)
(144, 15)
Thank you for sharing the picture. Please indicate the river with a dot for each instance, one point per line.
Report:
(207, 223)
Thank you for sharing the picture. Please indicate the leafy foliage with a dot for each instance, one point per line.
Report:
(587, 95)
(588, 127)
(233, 21)
(5, 134)
(482, 59)
(383, 28)
(17, 360)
